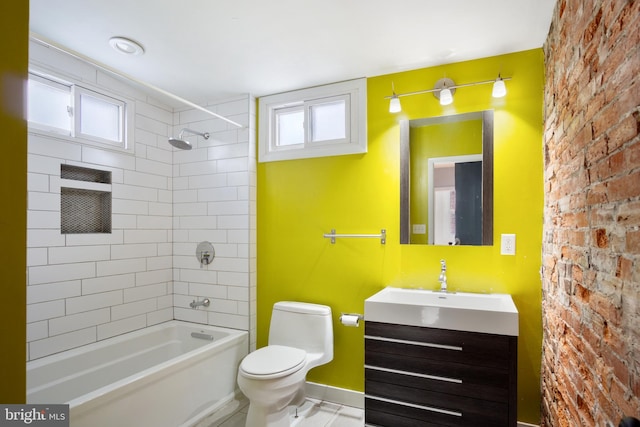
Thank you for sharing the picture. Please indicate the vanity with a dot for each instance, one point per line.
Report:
(440, 359)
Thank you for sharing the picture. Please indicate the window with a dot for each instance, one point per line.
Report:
(78, 113)
(321, 121)
(49, 104)
(289, 127)
(100, 117)
(328, 120)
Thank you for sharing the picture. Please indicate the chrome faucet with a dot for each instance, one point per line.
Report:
(205, 303)
(443, 276)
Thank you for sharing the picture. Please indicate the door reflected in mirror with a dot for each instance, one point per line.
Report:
(454, 200)
(446, 180)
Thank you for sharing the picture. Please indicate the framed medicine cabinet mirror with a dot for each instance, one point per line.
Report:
(446, 180)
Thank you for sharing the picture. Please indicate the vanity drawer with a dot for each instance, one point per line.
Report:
(418, 359)
(405, 406)
(478, 349)
(467, 384)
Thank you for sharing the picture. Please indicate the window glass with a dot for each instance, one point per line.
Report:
(319, 121)
(328, 121)
(289, 127)
(100, 118)
(49, 104)
(79, 113)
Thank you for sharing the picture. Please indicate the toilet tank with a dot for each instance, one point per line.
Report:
(303, 325)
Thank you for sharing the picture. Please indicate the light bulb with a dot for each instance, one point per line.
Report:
(446, 97)
(394, 104)
(499, 88)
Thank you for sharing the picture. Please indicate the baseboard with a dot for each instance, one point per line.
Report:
(339, 395)
(348, 397)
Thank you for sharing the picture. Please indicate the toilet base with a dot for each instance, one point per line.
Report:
(261, 416)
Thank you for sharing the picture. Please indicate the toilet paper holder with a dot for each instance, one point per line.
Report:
(351, 319)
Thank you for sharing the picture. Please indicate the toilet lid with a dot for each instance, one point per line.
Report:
(272, 360)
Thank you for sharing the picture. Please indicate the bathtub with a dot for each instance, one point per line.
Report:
(158, 376)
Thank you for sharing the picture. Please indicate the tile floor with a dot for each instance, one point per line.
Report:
(313, 413)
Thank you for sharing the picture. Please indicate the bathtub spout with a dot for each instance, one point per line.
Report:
(205, 303)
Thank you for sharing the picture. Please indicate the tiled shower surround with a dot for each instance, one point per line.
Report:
(84, 288)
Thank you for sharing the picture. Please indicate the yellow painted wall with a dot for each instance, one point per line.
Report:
(300, 200)
(14, 26)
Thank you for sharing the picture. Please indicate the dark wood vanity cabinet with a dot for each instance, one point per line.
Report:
(417, 376)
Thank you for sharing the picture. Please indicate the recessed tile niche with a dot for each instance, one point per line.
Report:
(85, 200)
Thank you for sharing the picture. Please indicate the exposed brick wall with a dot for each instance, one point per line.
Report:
(591, 243)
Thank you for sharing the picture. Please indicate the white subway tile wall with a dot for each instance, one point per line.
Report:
(87, 287)
(213, 196)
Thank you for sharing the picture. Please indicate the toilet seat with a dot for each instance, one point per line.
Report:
(272, 361)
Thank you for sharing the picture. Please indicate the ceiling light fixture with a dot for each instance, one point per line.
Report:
(126, 46)
(444, 89)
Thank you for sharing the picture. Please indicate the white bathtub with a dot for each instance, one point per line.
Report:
(158, 376)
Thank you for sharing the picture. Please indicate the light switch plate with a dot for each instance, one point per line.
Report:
(419, 229)
(508, 244)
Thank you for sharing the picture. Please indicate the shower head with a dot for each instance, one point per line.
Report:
(180, 143)
(184, 144)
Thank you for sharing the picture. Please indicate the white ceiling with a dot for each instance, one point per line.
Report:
(209, 49)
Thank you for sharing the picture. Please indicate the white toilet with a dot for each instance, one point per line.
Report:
(273, 377)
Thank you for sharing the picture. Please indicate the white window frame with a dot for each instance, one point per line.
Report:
(354, 92)
(126, 105)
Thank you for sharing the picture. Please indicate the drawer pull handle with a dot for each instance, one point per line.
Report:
(414, 374)
(423, 344)
(412, 405)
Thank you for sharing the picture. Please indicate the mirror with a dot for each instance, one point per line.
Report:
(446, 180)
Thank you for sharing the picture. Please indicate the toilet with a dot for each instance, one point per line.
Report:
(273, 377)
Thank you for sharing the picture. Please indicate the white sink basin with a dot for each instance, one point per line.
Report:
(461, 311)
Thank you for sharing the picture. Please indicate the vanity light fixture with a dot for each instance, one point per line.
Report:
(444, 90)
(126, 46)
(394, 104)
(446, 97)
(499, 88)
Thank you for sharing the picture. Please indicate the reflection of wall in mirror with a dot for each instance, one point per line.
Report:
(444, 210)
(436, 140)
(444, 216)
